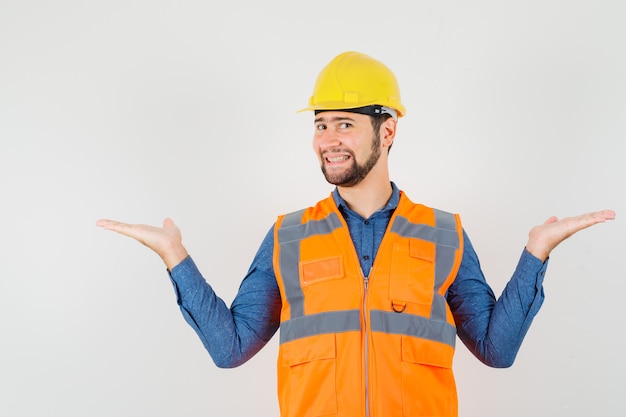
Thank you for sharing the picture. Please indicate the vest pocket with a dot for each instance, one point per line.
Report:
(309, 366)
(412, 272)
(428, 386)
(319, 270)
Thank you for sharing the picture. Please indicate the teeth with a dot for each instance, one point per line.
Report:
(337, 159)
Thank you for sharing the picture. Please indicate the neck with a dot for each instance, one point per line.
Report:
(369, 195)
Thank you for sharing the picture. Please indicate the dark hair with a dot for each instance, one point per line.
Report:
(377, 122)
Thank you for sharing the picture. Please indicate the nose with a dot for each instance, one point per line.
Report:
(327, 139)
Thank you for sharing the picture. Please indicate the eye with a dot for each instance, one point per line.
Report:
(320, 127)
(345, 125)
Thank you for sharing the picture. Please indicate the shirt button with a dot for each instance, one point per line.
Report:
(366, 257)
(367, 222)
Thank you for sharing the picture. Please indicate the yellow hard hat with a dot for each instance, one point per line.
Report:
(353, 80)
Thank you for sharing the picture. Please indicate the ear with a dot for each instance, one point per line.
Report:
(388, 132)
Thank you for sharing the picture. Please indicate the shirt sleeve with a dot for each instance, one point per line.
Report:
(493, 329)
(231, 335)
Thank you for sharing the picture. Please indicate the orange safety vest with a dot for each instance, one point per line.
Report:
(377, 346)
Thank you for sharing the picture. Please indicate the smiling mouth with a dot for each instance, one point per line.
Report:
(337, 158)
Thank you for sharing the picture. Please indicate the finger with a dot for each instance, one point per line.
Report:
(584, 221)
(552, 219)
(606, 215)
(598, 216)
(111, 224)
(126, 229)
(106, 223)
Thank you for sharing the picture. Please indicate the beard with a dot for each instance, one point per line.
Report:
(356, 172)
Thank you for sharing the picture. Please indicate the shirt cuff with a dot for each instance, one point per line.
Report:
(531, 268)
(185, 277)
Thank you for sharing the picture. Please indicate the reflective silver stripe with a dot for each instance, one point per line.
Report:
(412, 325)
(323, 323)
(437, 235)
(292, 219)
(289, 251)
(380, 321)
(446, 221)
(445, 256)
(290, 234)
(438, 308)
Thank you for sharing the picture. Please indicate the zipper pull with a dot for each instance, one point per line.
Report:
(365, 281)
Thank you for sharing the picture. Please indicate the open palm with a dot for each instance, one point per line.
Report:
(166, 241)
(544, 238)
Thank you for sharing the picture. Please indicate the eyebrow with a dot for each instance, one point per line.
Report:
(334, 119)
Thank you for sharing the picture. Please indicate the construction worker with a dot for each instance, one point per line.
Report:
(369, 289)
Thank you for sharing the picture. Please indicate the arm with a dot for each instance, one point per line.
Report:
(231, 335)
(493, 330)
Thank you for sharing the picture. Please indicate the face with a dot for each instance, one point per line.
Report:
(347, 146)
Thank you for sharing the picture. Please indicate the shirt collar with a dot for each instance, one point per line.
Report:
(391, 204)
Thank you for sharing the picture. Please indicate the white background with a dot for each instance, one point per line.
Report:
(138, 110)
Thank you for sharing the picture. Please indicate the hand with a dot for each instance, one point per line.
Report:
(544, 238)
(166, 241)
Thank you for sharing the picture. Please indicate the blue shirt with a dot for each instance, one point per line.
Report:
(492, 329)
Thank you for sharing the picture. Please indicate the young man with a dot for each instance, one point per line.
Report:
(369, 289)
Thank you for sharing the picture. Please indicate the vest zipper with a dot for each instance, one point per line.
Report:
(365, 336)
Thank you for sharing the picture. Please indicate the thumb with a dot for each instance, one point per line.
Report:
(552, 219)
